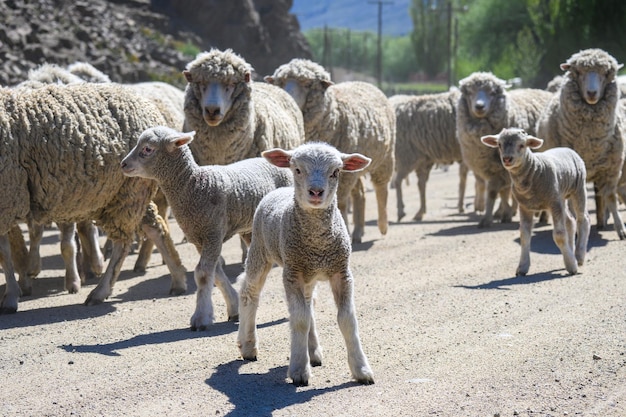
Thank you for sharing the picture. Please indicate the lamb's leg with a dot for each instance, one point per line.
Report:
(423, 172)
(358, 215)
(252, 282)
(299, 300)
(19, 254)
(315, 350)
(479, 194)
(119, 251)
(35, 234)
(583, 225)
(505, 209)
(342, 287)
(93, 259)
(204, 275)
(228, 291)
(382, 195)
(463, 170)
(492, 193)
(68, 252)
(564, 224)
(610, 199)
(525, 233)
(12, 290)
(157, 231)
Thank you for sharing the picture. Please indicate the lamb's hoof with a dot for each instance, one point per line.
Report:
(250, 358)
(234, 317)
(177, 291)
(200, 324)
(73, 289)
(300, 381)
(139, 269)
(26, 291)
(90, 301)
(520, 274)
(418, 217)
(8, 310)
(401, 216)
(366, 380)
(315, 362)
(356, 240)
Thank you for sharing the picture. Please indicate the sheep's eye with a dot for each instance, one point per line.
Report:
(334, 174)
(146, 151)
(297, 171)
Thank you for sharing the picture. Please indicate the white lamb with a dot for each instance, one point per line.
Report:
(211, 204)
(302, 230)
(546, 181)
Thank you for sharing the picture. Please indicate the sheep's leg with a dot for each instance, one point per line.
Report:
(93, 259)
(299, 300)
(19, 254)
(525, 234)
(358, 215)
(505, 210)
(253, 280)
(423, 172)
(564, 224)
(399, 201)
(382, 195)
(479, 194)
(145, 253)
(583, 225)
(68, 252)
(158, 233)
(342, 287)
(601, 217)
(463, 170)
(245, 240)
(228, 291)
(610, 199)
(492, 193)
(35, 234)
(119, 251)
(12, 290)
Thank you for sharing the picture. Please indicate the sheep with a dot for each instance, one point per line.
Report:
(353, 116)
(546, 181)
(61, 147)
(585, 115)
(211, 203)
(301, 229)
(426, 135)
(87, 72)
(235, 118)
(484, 108)
(554, 84)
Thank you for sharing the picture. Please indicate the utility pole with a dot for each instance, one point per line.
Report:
(452, 48)
(379, 58)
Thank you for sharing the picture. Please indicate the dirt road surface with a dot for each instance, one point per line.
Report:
(448, 328)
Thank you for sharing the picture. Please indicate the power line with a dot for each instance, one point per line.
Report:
(379, 58)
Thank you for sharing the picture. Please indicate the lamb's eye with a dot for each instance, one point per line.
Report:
(146, 151)
(334, 174)
(297, 171)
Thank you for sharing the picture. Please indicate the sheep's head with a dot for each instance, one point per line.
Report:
(153, 144)
(512, 143)
(592, 70)
(299, 77)
(316, 168)
(481, 92)
(218, 79)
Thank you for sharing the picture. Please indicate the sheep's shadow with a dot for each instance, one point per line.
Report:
(473, 229)
(49, 315)
(502, 284)
(261, 394)
(166, 336)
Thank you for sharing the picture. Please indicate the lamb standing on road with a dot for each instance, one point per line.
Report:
(302, 230)
(211, 204)
(546, 181)
(585, 115)
(425, 136)
(485, 108)
(353, 117)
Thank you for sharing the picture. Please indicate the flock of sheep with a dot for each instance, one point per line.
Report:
(80, 151)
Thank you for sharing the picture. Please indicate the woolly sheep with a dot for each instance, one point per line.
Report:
(546, 181)
(87, 72)
(425, 136)
(485, 108)
(585, 115)
(235, 118)
(353, 116)
(73, 174)
(301, 229)
(211, 203)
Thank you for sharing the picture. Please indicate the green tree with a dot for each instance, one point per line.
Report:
(429, 36)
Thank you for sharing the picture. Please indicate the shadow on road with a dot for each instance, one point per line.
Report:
(261, 394)
(502, 284)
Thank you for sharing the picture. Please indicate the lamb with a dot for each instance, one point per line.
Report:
(585, 115)
(211, 203)
(425, 136)
(301, 229)
(484, 108)
(73, 174)
(546, 181)
(235, 118)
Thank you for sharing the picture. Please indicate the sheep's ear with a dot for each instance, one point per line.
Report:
(269, 79)
(277, 157)
(179, 140)
(490, 140)
(533, 142)
(620, 66)
(355, 162)
(565, 66)
(326, 84)
(187, 75)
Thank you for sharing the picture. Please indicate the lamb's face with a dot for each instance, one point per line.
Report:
(316, 180)
(512, 144)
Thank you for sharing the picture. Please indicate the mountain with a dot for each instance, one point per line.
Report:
(358, 15)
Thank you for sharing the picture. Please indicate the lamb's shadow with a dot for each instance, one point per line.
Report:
(49, 315)
(473, 229)
(261, 394)
(542, 241)
(166, 336)
(502, 284)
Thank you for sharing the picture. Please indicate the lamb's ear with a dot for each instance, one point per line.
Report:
(620, 66)
(565, 66)
(269, 79)
(277, 157)
(490, 140)
(355, 162)
(533, 142)
(187, 75)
